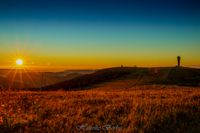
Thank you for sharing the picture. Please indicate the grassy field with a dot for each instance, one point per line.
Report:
(139, 109)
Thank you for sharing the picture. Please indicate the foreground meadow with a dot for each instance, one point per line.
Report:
(139, 109)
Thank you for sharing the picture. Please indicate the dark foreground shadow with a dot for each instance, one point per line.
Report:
(187, 121)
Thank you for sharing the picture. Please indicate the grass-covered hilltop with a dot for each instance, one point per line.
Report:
(181, 76)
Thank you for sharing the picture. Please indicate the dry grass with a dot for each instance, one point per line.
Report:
(139, 109)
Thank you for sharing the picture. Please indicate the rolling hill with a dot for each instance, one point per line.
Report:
(182, 76)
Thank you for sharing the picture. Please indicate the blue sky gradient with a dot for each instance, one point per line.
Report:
(101, 32)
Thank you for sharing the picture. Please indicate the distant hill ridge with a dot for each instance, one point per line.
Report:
(159, 75)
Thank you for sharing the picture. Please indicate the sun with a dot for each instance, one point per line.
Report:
(19, 62)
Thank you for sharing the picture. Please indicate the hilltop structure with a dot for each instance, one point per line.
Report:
(178, 61)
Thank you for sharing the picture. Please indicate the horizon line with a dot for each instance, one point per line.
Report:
(64, 68)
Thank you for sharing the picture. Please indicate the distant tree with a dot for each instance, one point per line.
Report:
(178, 61)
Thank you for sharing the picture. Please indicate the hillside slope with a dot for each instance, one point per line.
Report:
(91, 79)
(166, 75)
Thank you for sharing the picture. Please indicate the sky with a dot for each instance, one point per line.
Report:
(99, 33)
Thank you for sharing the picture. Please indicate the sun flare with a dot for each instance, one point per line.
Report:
(19, 62)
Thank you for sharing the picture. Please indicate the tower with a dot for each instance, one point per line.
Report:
(178, 61)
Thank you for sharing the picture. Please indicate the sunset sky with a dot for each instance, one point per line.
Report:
(99, 33)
